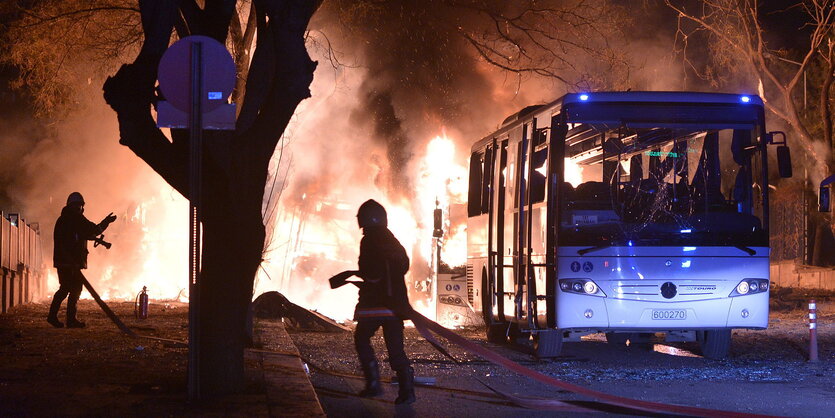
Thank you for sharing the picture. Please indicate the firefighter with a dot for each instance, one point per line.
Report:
(72, 231)
(382, 301)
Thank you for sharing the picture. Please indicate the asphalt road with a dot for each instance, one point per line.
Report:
(766, 373)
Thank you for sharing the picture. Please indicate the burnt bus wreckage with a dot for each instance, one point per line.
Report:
(627, 213)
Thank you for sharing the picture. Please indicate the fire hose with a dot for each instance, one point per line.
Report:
(541, 404)
(425, 326)
(421, 322)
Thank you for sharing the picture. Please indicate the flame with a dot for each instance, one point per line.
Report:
(150, 249)
(573, 172)
(313, 235)
(309, 243)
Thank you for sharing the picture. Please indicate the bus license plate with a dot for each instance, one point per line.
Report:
(669, 314)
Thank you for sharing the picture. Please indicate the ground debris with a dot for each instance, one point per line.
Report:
(274, 305)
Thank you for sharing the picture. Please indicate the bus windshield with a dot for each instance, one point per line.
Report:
(661, 186)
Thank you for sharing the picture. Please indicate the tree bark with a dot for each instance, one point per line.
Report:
(235, 165)
(825, 106)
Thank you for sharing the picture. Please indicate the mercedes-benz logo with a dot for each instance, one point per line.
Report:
(668, 290)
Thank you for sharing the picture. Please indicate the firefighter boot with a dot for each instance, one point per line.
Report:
(406, 386)
(72, 322)
(372, 380)
(52, 317)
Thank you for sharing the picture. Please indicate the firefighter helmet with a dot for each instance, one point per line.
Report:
(75, 198)
(371, 213)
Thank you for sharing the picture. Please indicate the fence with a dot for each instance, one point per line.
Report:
(789, 274)
(23, 273)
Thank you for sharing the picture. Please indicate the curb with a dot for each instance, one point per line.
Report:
(289, 391)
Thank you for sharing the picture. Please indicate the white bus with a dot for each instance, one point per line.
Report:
(627, 213)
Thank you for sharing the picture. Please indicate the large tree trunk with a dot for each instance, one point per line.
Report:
(235, 163)
(232, 245)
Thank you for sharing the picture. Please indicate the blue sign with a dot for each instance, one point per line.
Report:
(575, 266)
(588, 267)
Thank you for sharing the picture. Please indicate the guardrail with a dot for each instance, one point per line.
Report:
(22, 272)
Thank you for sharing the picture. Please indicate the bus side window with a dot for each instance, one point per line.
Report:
(540, 158)
(476, 179)
(540, 167)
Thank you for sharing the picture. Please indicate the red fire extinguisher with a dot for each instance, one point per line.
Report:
(140, 306)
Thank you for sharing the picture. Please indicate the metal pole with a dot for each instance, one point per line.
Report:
(813, 331)
(195, 153)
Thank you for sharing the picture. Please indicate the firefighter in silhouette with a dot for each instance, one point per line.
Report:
(382, 300)
(72, 231)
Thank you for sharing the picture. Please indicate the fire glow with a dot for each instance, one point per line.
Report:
(313, 240)
(149, 249)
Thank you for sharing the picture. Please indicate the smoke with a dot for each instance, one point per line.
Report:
(406, 77)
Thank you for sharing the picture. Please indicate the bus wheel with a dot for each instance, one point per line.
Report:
(715, 343)
(547, 343)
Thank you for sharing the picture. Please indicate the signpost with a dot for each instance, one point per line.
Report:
(196, 76)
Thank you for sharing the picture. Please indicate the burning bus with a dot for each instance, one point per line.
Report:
(625, 213)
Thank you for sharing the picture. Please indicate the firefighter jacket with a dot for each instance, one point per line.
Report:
(72, 230)
(382, 265)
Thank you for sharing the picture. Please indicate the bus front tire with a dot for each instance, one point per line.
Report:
(547, 343)
(715, 343)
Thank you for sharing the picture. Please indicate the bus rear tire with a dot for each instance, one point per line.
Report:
(547, 343)
(715, 343)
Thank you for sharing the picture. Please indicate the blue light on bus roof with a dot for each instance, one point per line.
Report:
(686, 231)
(584, 97)
(629, 243)
(744, 99)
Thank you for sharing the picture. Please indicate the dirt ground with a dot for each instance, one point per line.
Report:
(100, 371)
(767, 372)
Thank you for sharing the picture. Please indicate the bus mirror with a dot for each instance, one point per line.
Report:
(784, 161)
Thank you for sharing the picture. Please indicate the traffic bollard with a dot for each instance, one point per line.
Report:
(813, 331)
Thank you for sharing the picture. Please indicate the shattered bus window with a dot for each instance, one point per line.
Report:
(649, 186)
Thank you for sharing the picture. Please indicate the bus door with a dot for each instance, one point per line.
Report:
(500, 229)
(537, 222)
(510, 244)
(493, 203)
(522, 224)
(553, 193)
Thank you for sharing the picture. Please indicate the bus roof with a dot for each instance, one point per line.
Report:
(660, 97)
(611, 103)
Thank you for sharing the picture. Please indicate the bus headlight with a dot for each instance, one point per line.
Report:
(581, 287)
(750, 287)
